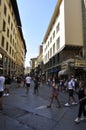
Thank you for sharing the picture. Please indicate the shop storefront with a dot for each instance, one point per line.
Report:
(74, 67)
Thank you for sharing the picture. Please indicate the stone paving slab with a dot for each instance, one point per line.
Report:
(7, 123)
(37, 122)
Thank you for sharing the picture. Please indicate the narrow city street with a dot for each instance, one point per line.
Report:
(29, 112)
(44, 41)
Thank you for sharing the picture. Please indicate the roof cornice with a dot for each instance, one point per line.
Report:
(52, 21)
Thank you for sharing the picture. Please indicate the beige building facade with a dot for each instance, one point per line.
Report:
(64, 44)
(36, 64)
(12, 43)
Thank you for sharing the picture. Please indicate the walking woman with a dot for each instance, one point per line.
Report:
(82, 102)
(55, 94)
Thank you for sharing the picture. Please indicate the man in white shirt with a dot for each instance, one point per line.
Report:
(2, 81)
(28, 82)
(71, 87)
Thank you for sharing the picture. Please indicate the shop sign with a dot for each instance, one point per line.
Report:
(64, 66)
(80, 63)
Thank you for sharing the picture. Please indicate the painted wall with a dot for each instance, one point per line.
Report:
(73, 22)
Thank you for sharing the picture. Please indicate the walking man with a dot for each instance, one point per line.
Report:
(71, 87)
(28, 82)
(2, 81)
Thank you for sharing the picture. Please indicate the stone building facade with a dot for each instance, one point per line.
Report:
(64, 43)
(12, 43)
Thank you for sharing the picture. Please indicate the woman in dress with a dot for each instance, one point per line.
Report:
(54, 94)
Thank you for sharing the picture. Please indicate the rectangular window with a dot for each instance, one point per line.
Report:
(50, 52)
(7, 32)
(13, 31)
(2, 43)
(5, 10)
(7, 46)
(8, 19)
(48, 43)
(53, 34)
(9, 4)
(0, 2)
(13, 42)
(54, 48)
(11, 38)
(11, 26)
(4, 25)
(57, 27)
(58, 43)
(50, 39)
(10, 50)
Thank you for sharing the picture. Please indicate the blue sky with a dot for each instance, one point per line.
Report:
(35, 17)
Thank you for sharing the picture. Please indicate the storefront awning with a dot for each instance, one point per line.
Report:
(63, 72)
(57, 69)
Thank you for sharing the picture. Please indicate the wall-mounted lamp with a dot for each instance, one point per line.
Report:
(19, 26)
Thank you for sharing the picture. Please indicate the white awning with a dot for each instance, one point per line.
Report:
(63, 72)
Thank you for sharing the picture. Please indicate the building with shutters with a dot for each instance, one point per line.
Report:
(12, 43)
(64, 43)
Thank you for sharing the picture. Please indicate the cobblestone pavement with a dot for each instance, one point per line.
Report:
(29, 112)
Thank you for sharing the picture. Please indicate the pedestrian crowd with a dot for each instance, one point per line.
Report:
(71, 86)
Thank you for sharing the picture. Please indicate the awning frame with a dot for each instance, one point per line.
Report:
(63, 72)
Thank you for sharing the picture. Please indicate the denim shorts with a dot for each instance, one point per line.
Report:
(28, 84)
(70, 92)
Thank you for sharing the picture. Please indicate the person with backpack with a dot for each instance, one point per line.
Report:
(71, 87)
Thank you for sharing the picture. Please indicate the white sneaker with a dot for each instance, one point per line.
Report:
(7, 94)
(77, 120)
(83, 118)
(74, 103)
(4, 94)
(67, 104)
